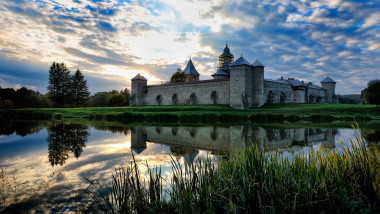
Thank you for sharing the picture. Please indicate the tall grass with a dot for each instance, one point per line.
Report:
(326, 181)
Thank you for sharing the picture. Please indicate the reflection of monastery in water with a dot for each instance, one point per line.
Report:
(228, 140)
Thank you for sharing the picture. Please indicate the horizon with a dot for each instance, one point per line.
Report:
(111, 41)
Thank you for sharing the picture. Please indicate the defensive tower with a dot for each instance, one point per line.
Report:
(192, 74)
(329, 85)
(139, 84)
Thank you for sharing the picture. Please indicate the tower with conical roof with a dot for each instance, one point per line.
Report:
(139, 84)
(246, 84)
(192, 74)
(329, 85)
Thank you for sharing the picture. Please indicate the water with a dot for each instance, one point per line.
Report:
(44, 164)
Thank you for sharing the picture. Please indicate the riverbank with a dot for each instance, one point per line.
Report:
(205, 114)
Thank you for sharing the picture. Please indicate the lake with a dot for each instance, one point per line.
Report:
(44, 164)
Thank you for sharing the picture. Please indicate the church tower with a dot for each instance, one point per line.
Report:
(192, 74)
(225, 60)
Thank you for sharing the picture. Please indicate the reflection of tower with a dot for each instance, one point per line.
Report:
(330, 138)
(189, 157)
(138, 139)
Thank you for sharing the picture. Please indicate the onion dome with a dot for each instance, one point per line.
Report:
(226, 50)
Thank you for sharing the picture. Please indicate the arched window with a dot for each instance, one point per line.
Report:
(174, 99)
(282, 97)
(192, 98)
(213, 97)
(158, 99)
(270, 97)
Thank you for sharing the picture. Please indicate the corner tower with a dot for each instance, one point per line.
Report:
(139, 84)
(192, 74)
(241, 84)
(329, 85)
(258, 84)
(246, 84)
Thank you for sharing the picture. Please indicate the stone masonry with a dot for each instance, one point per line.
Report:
(239, 84)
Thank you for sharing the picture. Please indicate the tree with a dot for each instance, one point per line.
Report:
(100, 99)
(117, 100)
(127, 96)
(59, 84)
(79, 89)
(371, 95)
(178, 76)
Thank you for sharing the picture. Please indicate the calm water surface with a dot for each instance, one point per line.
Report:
(48, 162)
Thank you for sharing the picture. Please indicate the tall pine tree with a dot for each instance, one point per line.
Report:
(79, 89)
(59, 84)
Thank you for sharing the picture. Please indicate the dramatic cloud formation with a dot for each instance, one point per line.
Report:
(113, 40)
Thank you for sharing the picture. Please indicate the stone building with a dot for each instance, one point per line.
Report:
(239, 83)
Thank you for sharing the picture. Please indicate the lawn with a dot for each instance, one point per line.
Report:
(205, 113)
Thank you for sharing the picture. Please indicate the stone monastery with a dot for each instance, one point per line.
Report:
(239, 83)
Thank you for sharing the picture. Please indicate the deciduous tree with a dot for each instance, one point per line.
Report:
(178, 76)
(371, 95)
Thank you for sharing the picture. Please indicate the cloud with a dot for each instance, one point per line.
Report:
(303, 39)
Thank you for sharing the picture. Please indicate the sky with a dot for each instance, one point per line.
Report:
(111, 41)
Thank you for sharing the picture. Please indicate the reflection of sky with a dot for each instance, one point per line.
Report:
(341, 139)
(27, 157)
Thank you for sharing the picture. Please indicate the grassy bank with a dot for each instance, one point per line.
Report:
(204, 113)
(251, 182)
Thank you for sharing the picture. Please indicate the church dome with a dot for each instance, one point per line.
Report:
(226, 50)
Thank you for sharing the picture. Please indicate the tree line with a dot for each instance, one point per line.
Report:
(64, 90)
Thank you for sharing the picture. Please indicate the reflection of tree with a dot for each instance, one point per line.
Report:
(20, 128)
(188, 154)
(114, 129)
(179, 151)
(64, 139)
(372, 136)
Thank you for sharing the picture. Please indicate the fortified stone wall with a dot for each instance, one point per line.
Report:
(299, 96)
(315, 95)
(278, 88)
(204, 92)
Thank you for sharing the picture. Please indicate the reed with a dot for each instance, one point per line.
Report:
(346, 181)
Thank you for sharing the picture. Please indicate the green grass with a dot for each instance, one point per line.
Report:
(205, 114)
(252, 182)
